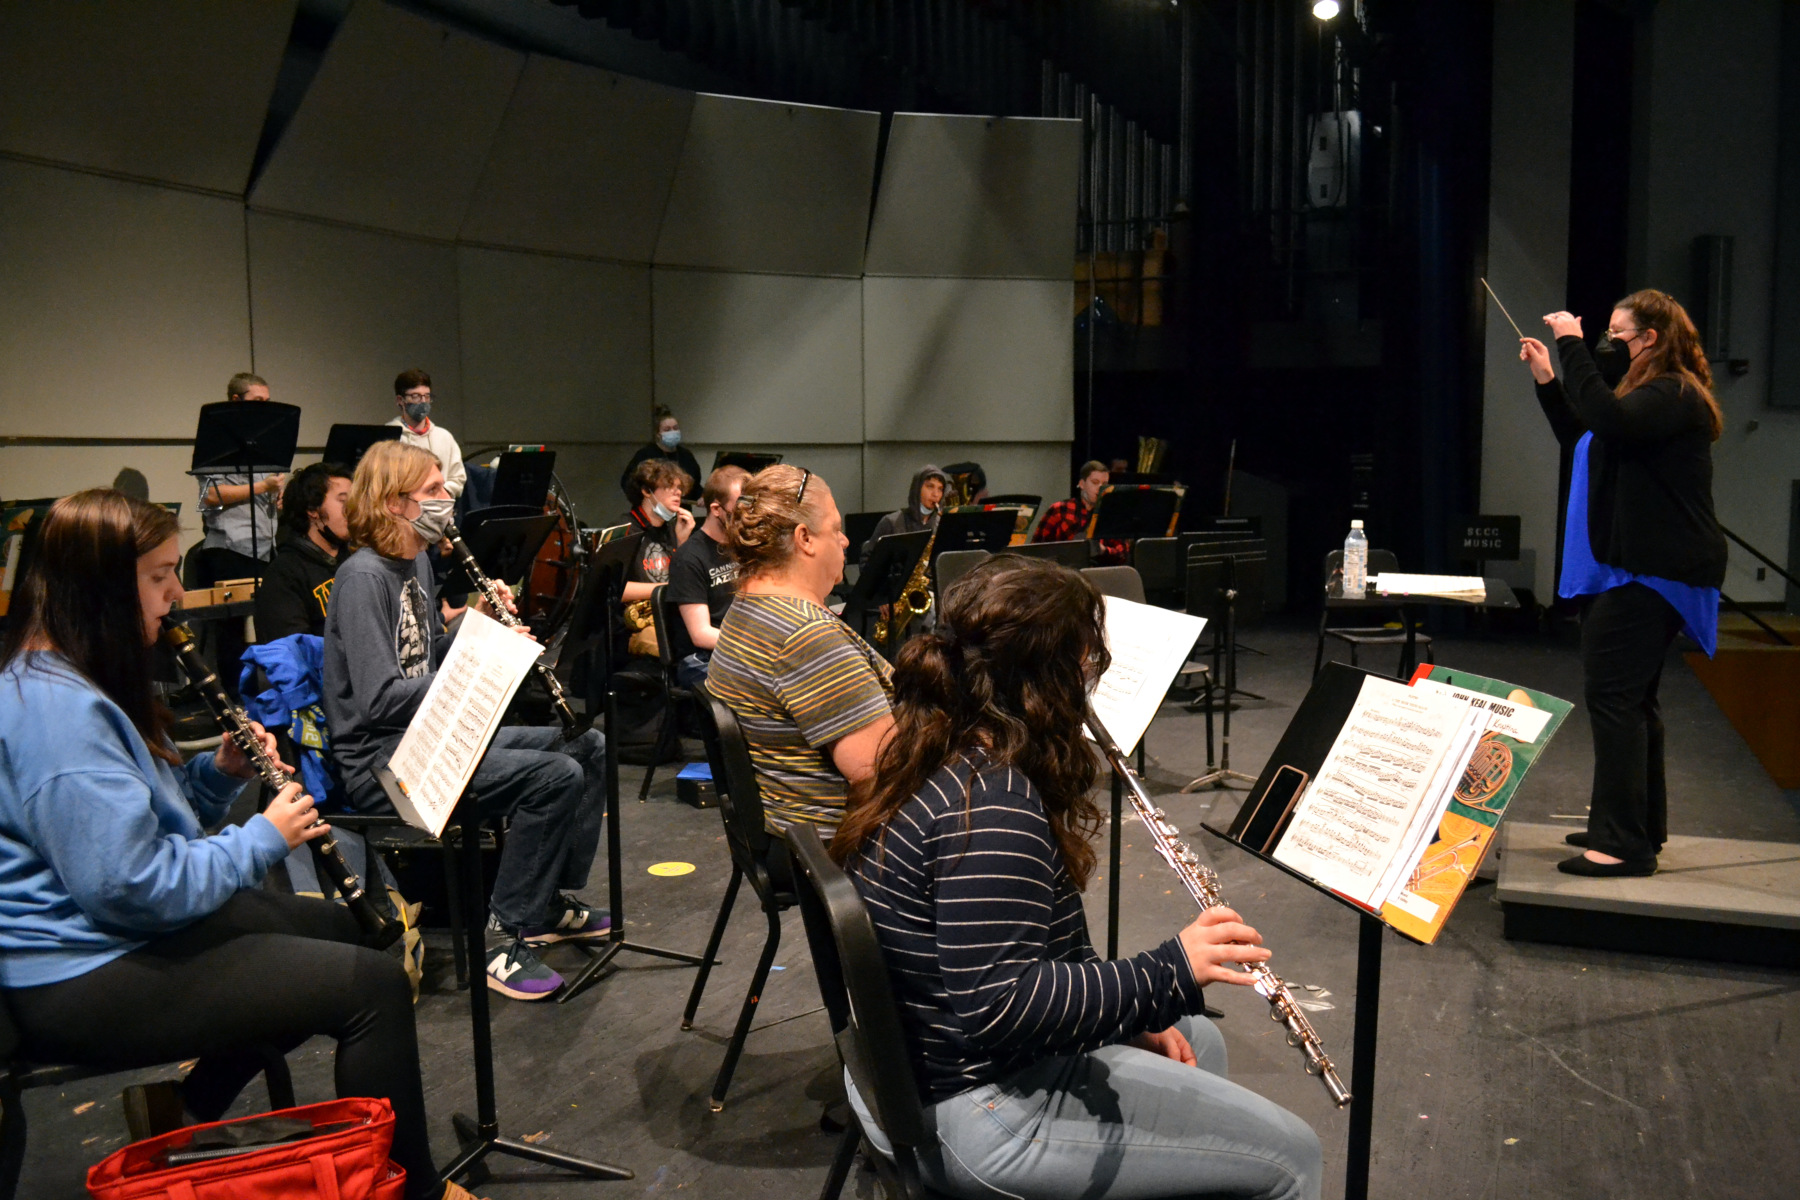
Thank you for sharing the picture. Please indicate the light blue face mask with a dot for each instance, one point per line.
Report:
(662, 514)
(670, 438)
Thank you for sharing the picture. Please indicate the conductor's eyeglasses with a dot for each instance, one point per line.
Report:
(1621, 335)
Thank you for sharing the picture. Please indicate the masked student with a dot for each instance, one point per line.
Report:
(665, 444)
(658, 486)
(384, 641)
(412, 396)
(296, 589)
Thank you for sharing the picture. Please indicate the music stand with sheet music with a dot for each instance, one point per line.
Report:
(346, 444)
(1256, 829)
(523, 477)
(611, 562)
(882, 581)
(1123, 513)
(751, 460)
(248, 438)
(504, 541)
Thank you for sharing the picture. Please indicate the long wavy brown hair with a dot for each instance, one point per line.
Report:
(80, 598)
(1006, 674)
(1678, 351)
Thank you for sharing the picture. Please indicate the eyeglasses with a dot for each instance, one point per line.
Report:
(1621, 335)
(416, 397)
(805, 478)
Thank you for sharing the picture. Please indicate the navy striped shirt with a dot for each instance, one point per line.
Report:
(987, 943)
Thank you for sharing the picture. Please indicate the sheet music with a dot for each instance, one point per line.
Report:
(1431, 810)
(462, 708)
(1359, 810)
(1149, 645)
(1460, 587)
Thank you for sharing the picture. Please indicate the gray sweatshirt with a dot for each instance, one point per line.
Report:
(384, 638)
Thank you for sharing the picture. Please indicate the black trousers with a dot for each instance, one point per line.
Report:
(266, 969)
(1625, 636)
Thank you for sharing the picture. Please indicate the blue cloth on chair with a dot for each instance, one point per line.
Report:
(295, 669)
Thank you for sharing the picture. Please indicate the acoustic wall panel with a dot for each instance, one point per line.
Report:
(395, 127)
(590, 474)
(750, 358)
(122, 309)
(582, 164)
(337, 313)
(175, 90)
(29, 472)
(981, 196)
(980, 360)
(763, 186)
(839, 466)
(553, 349)
(1037, 468)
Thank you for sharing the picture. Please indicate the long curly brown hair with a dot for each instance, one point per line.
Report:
(1678, 351)
(1006, 673)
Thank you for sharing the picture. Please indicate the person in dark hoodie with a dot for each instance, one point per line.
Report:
(922, 501)
(296, 589)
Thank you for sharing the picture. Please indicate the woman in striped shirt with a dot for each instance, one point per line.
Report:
(1047, 1071)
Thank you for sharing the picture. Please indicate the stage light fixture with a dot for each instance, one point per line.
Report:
(1325, 10)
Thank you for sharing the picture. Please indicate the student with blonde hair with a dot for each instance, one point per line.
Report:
(384, 640)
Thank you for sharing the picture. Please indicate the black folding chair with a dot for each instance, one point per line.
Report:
(1355, 636)
(865, 1020)
(672, 645)
(755, 855)
(19, 1075)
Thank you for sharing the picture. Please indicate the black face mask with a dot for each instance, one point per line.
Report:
(1614, 359)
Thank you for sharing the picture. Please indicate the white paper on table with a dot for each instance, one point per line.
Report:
(1149, 646)
(1356, 813)
(446, 738)
(1520, 722)
(1461, 587)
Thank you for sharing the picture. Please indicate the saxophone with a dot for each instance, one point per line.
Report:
(915, 600)
(1203, 886)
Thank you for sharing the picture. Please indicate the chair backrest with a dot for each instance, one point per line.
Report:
(1123, 582)
(847, 957)
(1380, 562)
(734, 779)
(672, 641)
(1073, 553)
(952, 565)
(9, 1033)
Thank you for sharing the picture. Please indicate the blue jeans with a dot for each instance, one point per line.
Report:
(691, 669)
(1119, 1123)
(554, 794)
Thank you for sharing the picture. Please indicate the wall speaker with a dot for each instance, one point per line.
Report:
(1711, 304)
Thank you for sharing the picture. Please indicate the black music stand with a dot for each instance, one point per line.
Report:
(974, 529)
(504, 545)
(346, 444)
(751, 460)
(481, 1137)
(612, 561)
(1216, 582)
(1136, 510)
(248, 438)
(882, 581)
(523, 477)
(859, 528)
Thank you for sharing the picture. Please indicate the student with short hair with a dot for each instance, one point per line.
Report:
(295, 592)
(413, 397)
(384, 641)
(237, 511)
(703, 576)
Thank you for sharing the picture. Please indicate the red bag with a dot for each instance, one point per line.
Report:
(342, 1164)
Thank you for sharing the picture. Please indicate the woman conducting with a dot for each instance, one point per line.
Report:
(1045, 1070)
(128, 936)
(1641, 547)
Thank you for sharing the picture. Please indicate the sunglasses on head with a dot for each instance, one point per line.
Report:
(805, 478)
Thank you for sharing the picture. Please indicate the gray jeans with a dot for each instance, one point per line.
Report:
(1119, 1123)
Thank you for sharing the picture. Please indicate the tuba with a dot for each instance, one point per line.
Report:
(915, 600)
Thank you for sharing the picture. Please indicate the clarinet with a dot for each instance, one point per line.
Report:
(382, 929)
(1203, 886)
(559, 703)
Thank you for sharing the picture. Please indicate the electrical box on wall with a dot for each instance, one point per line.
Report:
(1334, 159)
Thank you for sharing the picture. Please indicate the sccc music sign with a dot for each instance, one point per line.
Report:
(1483, 538)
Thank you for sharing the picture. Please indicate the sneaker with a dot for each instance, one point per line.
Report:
(568, 920)
(513, 970)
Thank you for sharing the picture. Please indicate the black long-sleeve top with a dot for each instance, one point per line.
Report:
(1650, 508)
(986, 941)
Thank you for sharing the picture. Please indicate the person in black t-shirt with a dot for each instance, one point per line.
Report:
(296, 586)
(665, 443)
(665, 525)
(703, 577)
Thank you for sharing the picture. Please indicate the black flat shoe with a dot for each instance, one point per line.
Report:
(1578, 838)
(1581, 864)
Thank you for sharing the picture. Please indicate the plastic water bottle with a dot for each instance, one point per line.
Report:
(1356, 561)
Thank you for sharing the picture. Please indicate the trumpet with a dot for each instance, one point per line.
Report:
(559, 703)
(1203, 886)
(382, 929)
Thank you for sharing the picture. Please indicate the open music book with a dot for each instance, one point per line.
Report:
(1400, 812)
(446, 738)
(1149, 645)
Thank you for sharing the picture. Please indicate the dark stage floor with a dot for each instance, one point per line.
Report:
(1506, 1069)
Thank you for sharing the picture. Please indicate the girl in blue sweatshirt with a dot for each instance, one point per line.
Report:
(128, 935)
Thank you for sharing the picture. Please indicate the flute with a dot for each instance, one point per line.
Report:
(558, 702)
(1203, 885)
(382, 929)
